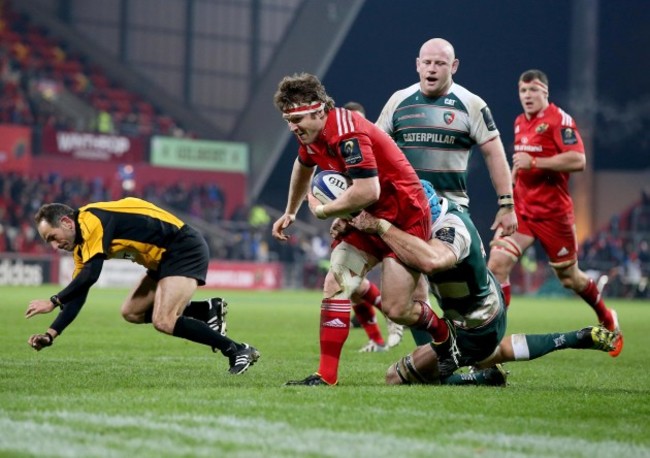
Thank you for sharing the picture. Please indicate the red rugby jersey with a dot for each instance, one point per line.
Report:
(542, 193)
(351, 144)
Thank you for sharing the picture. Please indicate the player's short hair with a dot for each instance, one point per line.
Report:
(301, 88)
(533, 74)
(52, 214)
(355, 106)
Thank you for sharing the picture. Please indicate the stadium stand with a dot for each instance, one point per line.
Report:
(44, 82)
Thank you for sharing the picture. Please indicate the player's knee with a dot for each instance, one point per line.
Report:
(131, 317)
(342, 283)
(401, 312)
(394, 313)
(391, 376)
(406, 372)
(504, 253)
(568, 283)
(162, 324)
(499, 264)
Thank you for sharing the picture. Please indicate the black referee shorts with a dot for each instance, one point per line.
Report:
(186, 256)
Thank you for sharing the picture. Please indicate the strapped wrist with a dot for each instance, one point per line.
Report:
(319, 211)
(506, 201)
(56, 301)
(383, 226)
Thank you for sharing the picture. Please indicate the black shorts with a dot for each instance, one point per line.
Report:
(186, 256)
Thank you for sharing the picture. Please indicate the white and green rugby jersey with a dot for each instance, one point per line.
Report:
(468, 294)
(437, 134)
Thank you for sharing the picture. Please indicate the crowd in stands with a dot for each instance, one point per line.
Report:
(35, 68)
(243, 236)
(622, 250)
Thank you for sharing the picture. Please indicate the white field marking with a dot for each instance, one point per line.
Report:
(66, 434)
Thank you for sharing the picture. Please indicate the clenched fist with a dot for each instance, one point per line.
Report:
(40, 341)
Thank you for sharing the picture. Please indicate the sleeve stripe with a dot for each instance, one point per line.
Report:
(344, 121)
(567, 120)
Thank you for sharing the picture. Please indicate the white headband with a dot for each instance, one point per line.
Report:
(303, 109)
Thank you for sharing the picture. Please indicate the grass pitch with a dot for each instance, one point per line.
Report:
(110, 388)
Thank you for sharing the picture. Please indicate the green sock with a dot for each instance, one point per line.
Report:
(421, 337)
(543, 344)
(469, 378)
(476, 378)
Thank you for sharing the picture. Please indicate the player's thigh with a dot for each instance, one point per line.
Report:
(422, 289)
(559, 240)
(506, 251)
(140, 299)
(397, 286)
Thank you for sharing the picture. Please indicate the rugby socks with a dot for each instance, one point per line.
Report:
(421, 337)
(334, 331)
(476, 378)
(199, 332)
(592, 296)
(372, 296)
(367, 318)
(527, 347)
(365, 313)
(197, 310)
(428, 321)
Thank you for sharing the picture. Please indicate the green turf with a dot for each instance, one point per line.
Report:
(109, 388)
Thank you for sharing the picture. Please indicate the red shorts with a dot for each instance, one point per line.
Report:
(557, 236)
(375, 246)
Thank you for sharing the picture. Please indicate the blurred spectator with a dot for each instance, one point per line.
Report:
(105, 123)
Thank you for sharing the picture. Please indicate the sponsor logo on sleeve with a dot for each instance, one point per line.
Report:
(446, 234)
(488, 119)
(351, 152)
(569, 136)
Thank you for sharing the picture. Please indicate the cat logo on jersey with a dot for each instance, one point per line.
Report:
(541, 128)
(351, 151)
(448, 117)
(488, 119)
(569, 136)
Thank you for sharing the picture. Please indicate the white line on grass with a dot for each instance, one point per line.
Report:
(74, 434)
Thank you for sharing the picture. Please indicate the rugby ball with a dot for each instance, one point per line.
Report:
(328, 185)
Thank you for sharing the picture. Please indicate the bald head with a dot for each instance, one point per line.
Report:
(436, 64)
(438, 46)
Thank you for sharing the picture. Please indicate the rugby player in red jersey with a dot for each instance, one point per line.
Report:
(548, 148)
(384, 184)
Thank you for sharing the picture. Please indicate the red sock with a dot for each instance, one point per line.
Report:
(373, 296)
(367, 317)
(334, 331)
(429, 321)
(506, 293)
(592, 296)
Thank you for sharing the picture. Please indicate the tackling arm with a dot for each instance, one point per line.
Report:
(427, 257)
